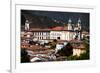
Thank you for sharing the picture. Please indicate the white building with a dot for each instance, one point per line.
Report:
(79, 50)
(41, 34)
(67, 32)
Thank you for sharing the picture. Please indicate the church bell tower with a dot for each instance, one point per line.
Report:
(69, 24)
(79, 24)
(27, 25)
(79, 29)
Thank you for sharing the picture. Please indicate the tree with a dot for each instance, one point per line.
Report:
(24, 56)
(53, 44)
(55, 41)
(83, 56)
(72, 57)
(66, 50)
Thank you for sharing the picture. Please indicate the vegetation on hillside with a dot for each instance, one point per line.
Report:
(83, 56)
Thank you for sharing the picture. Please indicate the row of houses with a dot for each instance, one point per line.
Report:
(64, 34)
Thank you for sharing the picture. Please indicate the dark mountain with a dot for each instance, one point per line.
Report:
(46, 19)
(38, 21)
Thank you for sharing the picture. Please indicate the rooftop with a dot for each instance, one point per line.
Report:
(57, 28)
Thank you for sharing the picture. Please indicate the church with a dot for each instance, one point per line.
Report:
(67, 32)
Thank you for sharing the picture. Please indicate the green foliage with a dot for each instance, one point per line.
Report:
(66, 50)
(53, 44)
(83, 56)
(38, 20)
(72, 57)
(54, 41)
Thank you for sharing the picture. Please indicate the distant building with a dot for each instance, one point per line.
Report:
(78, 50)
(41, 34)
(78, 47)
(67, 32)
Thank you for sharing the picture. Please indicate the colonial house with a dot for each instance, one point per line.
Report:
(79, 50)
(41, 34)
(78, 47)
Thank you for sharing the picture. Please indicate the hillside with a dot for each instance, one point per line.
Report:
(37, 21)
(42, 19)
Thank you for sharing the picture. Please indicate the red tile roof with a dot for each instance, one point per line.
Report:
(79, 47)
(58, 28)
(39, 29)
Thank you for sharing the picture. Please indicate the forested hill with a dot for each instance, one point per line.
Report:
(44, 19)
(38, 21)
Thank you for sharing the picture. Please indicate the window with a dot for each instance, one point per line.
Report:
(44, 33)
